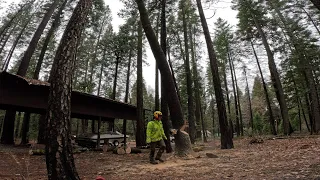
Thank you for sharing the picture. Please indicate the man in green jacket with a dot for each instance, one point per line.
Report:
(155, 136)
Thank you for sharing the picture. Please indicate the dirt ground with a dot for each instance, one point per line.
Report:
(289, 158)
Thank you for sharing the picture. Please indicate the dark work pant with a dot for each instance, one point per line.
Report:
(153, 149)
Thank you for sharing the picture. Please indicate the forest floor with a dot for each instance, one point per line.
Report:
(275, 158)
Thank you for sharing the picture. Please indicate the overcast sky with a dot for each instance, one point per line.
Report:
(221, 9)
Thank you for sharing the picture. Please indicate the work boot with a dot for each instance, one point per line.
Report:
(152, 161)
(151, 156)
(159, 159)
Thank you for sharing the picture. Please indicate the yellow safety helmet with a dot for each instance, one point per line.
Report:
(156, 114)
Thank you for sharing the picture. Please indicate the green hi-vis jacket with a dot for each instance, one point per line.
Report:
(155, 131)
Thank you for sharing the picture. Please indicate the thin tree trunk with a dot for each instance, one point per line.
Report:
(24, 64)
(228, 100)
(249, 99)
(17, 14)
(307, 70)
(7, 136)
(312, 21)
(192, 127)
(234, 94)
(7, 38)
(16, 132)
(140, 134)
(271, 118)
(94, 58)
(275, 79)
(182, 140)
(198, 111)
(25, 128)
(212, 115)
(59, 157)
(42, 127)
(316, 3)
(15, 43)
(52, 30)
(238, 98)
(157, 103)
(173, 76)
(55, 25)
(226, 136)
(126, 96)
(164, 102)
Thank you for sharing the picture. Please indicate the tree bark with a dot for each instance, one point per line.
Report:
(156, 102)
(42, 128)
(164, 102)
(249, 98)
(24, 64)
(140, 134)
(182, 147)
(307, 70)
(271, 118)
(15, 43)
(17, 14)
(16, 132)
(238, 98)
(234, 94)
(192, 128)
(316, 3)
(52, 30)
(7, 38)
(59, 158)
(7, 136)
(172, 72)
(226, 136)
(126, 96)
(275, 79)
(25, 128)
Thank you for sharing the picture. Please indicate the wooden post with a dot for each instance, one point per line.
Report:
(98, 139)
(125, 133)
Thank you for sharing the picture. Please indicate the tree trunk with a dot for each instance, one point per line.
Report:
(275, 79)
(126, 96)
(234, 94)
(156, 102)
(226, 136)
(59, 158)
(192, 128)
(312, 21)
(249, 98)
(16, 132)
(316, 3)
(140, 134)
(25, 128)
(212, 115)
(24, 64)
(271, 118)
(164, 102)
(238, 98)
(173, 76)
(42, 127)
(182, 147)
(228, 100)
(17, 14)
(7, 136)
(307, 70)
(52, 30)
(198, 111)
(15, 43)
(7, 38)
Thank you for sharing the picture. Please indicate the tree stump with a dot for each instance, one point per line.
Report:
(183, 146)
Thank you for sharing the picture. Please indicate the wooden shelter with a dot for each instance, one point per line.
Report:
(29, 95)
